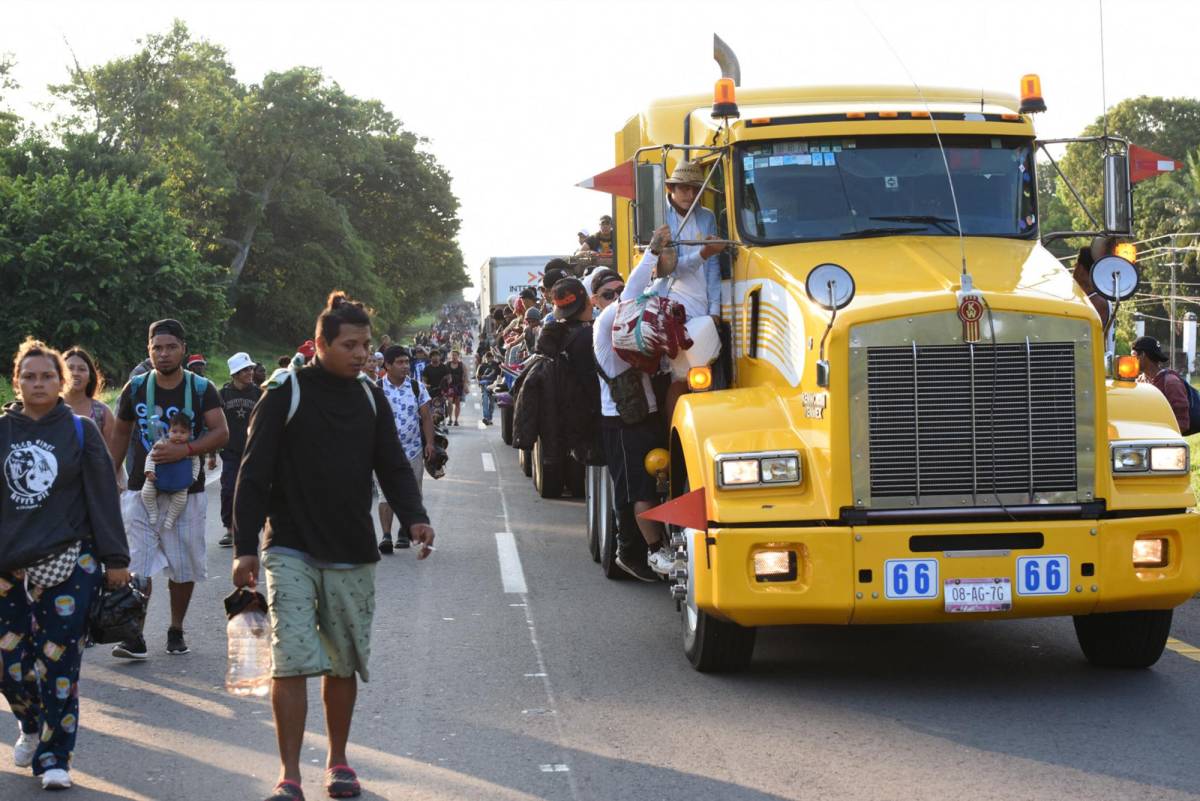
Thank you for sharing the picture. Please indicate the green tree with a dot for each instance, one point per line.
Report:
(91, 262)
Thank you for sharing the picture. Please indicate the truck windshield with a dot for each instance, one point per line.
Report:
(809, 189)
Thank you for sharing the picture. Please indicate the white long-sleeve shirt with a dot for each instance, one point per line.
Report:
(607, 358)
(697, 282)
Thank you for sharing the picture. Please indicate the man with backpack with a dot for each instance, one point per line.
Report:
(1177, 391)
(409, 401)
(238, 397)
(144, 408)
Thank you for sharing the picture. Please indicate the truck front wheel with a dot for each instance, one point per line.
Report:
(710, 644)
(1124, 639)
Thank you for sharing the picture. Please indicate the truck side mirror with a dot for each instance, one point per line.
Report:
(650, 204)
(1118, 216)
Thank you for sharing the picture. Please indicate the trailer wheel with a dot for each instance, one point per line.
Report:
(1124, 639)
(506, 424)
(594, 501)
(576, 477)
(525, 460)
(547, 475)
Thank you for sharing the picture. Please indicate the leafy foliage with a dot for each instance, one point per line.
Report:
(88, 261)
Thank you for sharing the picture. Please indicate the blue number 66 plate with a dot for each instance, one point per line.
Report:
(907, 579)
(1043, 575)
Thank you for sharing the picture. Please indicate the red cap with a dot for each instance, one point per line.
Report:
(308, 349)
(196, 358)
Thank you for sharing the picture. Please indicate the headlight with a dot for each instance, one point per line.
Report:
(1150, 458)
(776, 468)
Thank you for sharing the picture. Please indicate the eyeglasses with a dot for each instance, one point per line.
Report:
(609, 294)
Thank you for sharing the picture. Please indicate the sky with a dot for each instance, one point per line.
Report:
(521, 100)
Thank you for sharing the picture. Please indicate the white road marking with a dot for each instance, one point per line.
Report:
(511, 573)
(547, 686)
(489, 462)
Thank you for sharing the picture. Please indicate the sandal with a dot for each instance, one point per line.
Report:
(342, 782)
(287, 791)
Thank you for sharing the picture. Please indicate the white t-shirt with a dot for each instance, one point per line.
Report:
(406, 412)
(612, 364)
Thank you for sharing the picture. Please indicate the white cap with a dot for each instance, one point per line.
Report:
(239, 362)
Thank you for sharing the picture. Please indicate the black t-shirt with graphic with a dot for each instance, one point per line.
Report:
(167, 402)
(238, 404)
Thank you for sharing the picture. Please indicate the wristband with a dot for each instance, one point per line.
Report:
(189, 450)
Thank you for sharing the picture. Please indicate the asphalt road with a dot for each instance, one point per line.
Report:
(573, 687)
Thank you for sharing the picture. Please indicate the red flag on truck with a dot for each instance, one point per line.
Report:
(617, 181)
(1145, 164)
(686, 511)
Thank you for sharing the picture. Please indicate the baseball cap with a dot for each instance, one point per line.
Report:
(1150, 347)
(239, 361)
(570, 298)
(196, 358)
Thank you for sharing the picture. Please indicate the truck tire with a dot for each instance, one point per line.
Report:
(525, 460)
(608, 535)
(547, 473)
(1124, 639)
(576, 477)
(594, 501)
(712, 645)
(506, 424)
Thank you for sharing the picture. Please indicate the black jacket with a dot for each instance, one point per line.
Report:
(55, 492)
(557, 395)
(309, 480)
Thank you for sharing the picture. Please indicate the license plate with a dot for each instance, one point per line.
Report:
(978, 594)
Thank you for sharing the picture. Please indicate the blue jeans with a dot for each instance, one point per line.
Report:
(489, 403)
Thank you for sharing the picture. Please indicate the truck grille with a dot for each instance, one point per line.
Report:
(972, 421)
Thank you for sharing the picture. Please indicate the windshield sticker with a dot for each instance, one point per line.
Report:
(762, 161)
(891, 183)
(789, 161)
(828, 158)
(805, 159)
(768, 216)
(849, 144)
(748, 163)
(837, 148)
(776, 161)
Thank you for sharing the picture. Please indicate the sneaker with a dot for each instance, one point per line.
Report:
(227, 540)
(175, 643)
(131, 649)
(385, 545)
(661, 561)
(640, 572)
(403, 540)
(24, 749)
(56, 779)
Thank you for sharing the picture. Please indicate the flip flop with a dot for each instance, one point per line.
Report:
(342, 782)
(287, 791)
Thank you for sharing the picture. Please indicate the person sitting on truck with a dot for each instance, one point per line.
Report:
(1150, 362)
(627, 443)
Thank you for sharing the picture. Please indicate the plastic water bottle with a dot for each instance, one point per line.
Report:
(249, 670)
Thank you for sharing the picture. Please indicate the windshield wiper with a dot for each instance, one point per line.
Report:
(944, 223)
(880, 231)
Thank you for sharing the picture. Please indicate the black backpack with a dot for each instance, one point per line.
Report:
(1193, 396)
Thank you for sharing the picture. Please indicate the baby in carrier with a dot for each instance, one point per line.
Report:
(172, 478)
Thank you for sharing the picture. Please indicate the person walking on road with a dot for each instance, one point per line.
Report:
(60, 520)
(313, 437)
(458, 384)
(144, 408)
(84, 383)
(409, 401)
(238, 397)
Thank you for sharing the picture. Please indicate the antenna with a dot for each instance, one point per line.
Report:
(962, 248)
(1103, 87)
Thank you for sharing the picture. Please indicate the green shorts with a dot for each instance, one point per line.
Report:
(320, 618)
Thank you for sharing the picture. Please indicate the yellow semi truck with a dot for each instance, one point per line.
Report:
(919, 419)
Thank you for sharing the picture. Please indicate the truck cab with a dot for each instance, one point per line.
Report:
(918, 421)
